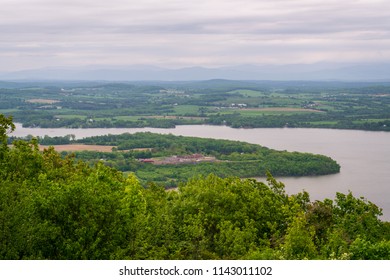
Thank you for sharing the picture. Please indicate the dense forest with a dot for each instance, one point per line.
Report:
(61, 208)
(169, 159)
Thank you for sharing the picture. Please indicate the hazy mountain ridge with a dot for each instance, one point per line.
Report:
(319, 71)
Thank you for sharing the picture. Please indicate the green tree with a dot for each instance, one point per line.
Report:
(299, 240)
(55, 207)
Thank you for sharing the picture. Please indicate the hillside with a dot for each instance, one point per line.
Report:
(55, 208)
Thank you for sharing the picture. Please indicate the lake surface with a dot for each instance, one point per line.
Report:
(364, 156)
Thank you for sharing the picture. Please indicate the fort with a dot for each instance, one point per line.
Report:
(184, 159)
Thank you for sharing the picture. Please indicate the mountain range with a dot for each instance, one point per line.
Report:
(318, 71)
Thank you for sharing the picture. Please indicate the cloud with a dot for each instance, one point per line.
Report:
(203, 32)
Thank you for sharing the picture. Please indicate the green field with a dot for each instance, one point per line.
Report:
(248, 93)
(186, 109)
(234, 103)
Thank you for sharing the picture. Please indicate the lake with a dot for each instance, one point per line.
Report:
(364, 156)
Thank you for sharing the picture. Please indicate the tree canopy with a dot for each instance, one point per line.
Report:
(59, 208)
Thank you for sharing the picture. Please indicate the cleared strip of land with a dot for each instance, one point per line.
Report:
(43, 101)
(281, 109)
(173, 117)
(79, 147)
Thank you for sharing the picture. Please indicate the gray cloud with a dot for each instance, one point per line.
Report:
(184, 33)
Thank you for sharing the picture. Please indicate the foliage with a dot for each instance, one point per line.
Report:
(59, 208)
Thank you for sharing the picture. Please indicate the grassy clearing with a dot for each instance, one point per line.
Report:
(128, 118)
(186, 109)
(173, 117)
(369, 121)
(283, 109)
(329, 106)
(252, 112)
(79, 147)
(42, 101)
(248, 92)
(70, 116)
(324, 123)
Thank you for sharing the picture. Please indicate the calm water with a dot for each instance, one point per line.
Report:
(364, 156)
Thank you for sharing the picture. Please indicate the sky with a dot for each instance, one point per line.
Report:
(181, 33)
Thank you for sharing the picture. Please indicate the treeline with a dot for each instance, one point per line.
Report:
(55, 208)
(331, 120)
(104, 123)
(235, 120)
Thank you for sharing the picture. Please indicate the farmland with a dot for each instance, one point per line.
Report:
(248, 104)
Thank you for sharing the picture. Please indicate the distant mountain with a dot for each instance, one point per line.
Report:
(319, 71)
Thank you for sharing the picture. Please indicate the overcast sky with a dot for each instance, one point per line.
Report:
(178, 33)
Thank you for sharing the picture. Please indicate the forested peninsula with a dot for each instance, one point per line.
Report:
(169, 159)
(55, 207)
